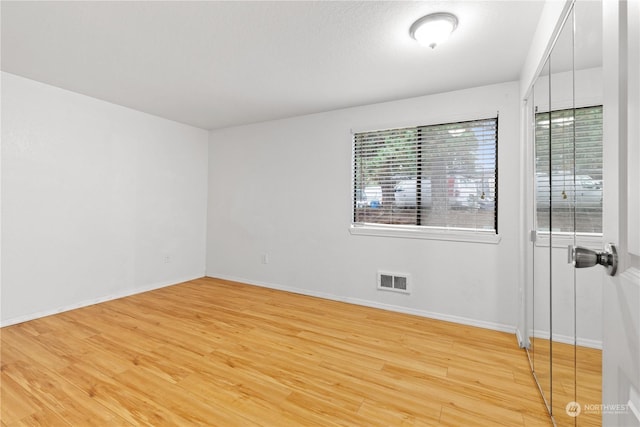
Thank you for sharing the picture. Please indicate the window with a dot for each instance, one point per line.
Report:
(575, 188)
(441, 176)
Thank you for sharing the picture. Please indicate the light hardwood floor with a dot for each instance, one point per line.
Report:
(217, 353)
(577, 377)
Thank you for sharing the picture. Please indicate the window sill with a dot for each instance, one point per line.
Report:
(413, 232)
(563, 239)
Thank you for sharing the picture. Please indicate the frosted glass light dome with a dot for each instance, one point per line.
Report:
(434, 29)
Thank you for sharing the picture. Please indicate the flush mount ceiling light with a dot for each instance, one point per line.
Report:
(432, 30)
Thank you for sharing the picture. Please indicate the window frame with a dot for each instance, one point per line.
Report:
(455, 234)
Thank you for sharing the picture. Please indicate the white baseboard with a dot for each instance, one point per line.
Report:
(566, 339)
(374, 304)
(93, 301)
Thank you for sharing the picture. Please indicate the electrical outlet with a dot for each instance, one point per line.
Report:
(167, 259)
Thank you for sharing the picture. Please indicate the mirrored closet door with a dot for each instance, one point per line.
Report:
(564, 303)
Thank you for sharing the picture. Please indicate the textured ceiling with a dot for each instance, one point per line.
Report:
(218, 64)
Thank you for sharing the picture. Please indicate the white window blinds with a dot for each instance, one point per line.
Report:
(439, 176)
(572, 199)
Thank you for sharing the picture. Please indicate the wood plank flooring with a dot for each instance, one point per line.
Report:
(577, 376)
(217, 353)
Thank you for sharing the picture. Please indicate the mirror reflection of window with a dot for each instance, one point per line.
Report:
(576, 172)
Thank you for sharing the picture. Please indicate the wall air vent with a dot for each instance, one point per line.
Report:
(393, 282)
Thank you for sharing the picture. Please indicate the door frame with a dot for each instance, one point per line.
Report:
(551, 23)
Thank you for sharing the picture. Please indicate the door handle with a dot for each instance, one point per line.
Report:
(582, 257)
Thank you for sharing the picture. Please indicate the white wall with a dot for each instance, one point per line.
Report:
(283, 188)
(98, 200)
